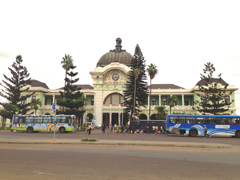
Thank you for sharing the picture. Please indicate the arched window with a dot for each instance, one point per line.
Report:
(114, 99)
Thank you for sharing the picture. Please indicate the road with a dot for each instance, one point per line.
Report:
(55, 161)
(116, 162)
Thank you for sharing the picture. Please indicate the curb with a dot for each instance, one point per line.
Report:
(124, 143)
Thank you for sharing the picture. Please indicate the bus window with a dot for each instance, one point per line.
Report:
(37, 119)
(28, 120)
(46, 119)
(63, 120)
(15, 120)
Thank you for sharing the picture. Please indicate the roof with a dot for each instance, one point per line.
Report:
(217, 80)
(36, 83)
(116, 55)
(82, 86)
(165, 86)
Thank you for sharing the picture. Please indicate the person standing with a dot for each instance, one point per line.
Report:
(205, 131)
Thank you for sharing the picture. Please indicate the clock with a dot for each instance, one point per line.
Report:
(115, 77)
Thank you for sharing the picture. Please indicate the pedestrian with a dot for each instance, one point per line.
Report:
(205, 131)
(109, 129)
(117, 129)
(89, 129)
(103, 128)
(122, 127)
(156, 129)
(161, 128)
(147, 129)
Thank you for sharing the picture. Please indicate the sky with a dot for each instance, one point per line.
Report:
(178, 36)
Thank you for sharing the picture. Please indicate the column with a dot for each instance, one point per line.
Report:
(182, 100)
(160, 100)
(119, 114)
(110, 115)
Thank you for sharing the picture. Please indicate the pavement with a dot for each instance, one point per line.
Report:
(113, 142)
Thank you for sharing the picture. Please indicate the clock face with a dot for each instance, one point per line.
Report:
(115, 77)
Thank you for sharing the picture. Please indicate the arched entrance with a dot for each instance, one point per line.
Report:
(143, 117)
(113, 109)
(153, 117)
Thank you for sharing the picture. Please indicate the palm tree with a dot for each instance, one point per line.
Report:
(35, 104)
(66, 62)
(152, 71)
(136, 73)
(161, 112)
(171, 101)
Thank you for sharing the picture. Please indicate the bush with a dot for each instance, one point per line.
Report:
(89, 139)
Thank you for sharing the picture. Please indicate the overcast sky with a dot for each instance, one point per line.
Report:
(177, 36)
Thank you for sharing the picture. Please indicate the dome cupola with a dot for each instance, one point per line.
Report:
(117, 55)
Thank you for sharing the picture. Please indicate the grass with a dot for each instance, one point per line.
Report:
(89, 139)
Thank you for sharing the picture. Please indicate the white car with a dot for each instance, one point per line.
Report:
(94, 126)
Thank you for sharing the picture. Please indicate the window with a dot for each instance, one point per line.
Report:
(186, 101)
(37, 119)
(23, 101)
(34, 97)
(92, 101)
(47, 119)
(203, 98)
(154, 102)
(227, 99)
(164, 101)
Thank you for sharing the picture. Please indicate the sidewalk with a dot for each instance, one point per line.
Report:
(114, 142)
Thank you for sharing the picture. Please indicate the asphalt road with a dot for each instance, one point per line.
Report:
(62, 162)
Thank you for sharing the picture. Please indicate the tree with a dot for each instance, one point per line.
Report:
(171, 101)
(66, 62)
(161, 112)
(35, 104)
(71, 98)
(13, 89)
(212, 92)
(137, 62)
(152, 71)
(136, 73)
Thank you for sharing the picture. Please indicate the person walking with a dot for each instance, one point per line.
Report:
(103, 128)
(89, 129)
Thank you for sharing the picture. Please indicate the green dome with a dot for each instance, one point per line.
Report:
(116, 55)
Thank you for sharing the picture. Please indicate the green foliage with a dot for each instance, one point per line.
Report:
(89, 139)
(152, 71)
(141, 94)
(13, 88)
(212, 93)
(35, 104)
(171, 101)
(66, 62)
(161, 112)
(72, 100)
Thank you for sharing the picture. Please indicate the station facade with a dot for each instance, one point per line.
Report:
(105, 96)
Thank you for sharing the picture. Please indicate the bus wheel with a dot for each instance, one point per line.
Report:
(237, 134)
(29, 129)
(62, 130)
(193, 133)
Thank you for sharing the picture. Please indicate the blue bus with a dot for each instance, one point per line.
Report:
(193, 125)
(45, 123)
